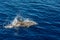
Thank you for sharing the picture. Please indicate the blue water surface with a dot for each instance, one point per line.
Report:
(45, 12)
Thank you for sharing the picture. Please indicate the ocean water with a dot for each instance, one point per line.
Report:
(45, 12)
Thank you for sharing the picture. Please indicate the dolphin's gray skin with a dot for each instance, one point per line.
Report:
(17, 22)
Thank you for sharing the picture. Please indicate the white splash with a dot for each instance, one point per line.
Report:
(25, 23)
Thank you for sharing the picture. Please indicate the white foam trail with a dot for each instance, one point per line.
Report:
(15, 23)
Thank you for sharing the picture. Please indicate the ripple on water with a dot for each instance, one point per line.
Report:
(46, 13)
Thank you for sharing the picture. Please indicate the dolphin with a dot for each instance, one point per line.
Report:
(20, 22)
